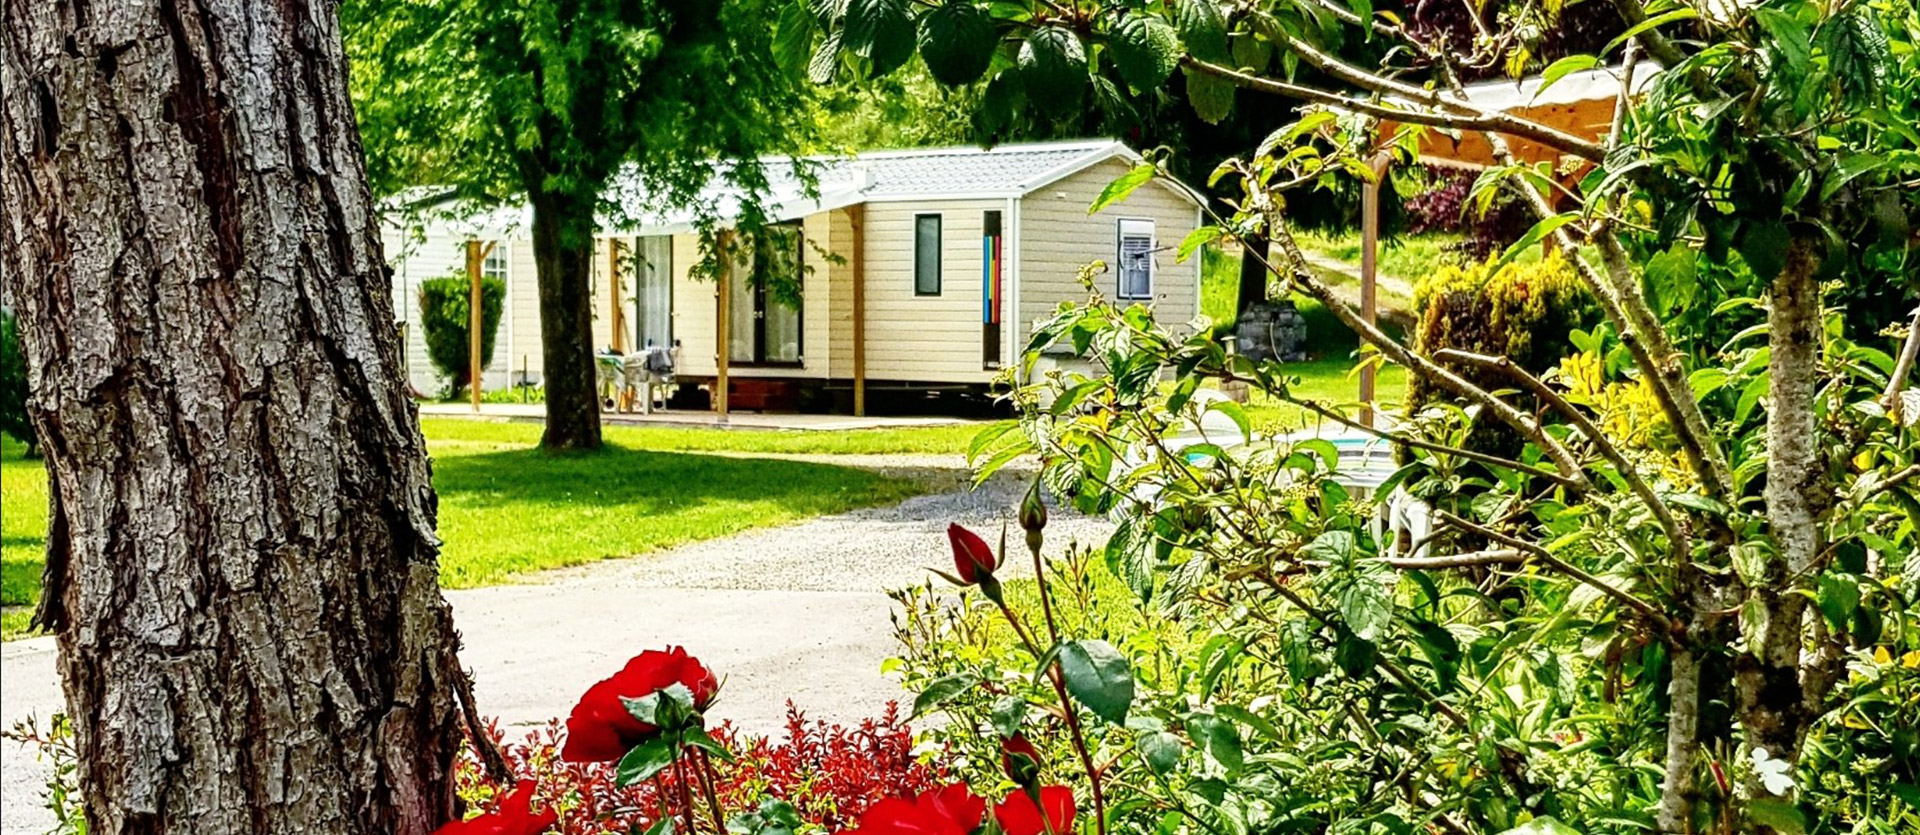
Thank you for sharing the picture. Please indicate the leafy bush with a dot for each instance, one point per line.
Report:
(1525, 312)
(444, 313)
(13, 384)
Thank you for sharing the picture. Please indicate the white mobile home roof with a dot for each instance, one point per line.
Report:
(881, 176)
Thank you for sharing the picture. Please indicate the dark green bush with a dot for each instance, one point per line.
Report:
(1527, 312)
(444, 313)
(13, 384)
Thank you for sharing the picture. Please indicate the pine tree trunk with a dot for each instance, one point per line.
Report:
(563, 259)
(241, 564)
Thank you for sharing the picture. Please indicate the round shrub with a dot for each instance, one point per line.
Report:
(1527, 312)
(444, 314)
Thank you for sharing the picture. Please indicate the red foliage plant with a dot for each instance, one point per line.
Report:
(830, 773)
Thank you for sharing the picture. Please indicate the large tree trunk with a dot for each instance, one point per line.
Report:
(563, 260)
(241, 558)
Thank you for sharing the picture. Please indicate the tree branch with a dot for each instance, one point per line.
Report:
(1902, 367)
(1416, 443)
(1507, 557)
(1669, 631)
(1520, 421)
(1676, 538)
(1467, 117)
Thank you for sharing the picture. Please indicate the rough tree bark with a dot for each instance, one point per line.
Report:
(1775, 709)
(241, 557)
(563, 260)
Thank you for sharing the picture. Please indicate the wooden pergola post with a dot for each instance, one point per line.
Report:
(1369, 274)
(856, 217)
(615, 317)
(476, 257)
(724, 350)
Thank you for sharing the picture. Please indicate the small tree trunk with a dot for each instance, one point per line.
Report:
(563, 259)
(1775, 708)
(1253, 274)
(240, 557)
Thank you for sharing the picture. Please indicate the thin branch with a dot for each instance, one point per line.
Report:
(1502, 557)
(1467, 117)
(1481, 457)
(1676, 538)
(1501, 409)
(1668, 629)
(1897, 382)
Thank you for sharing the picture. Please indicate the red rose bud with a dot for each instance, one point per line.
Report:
(514, 816)
(1019, 816)
(1020, 760)
(601, 729)
(953, 810)
(1033, 510)
(973, 559)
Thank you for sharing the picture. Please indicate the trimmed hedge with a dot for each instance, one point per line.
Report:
(1527, 312)
(13, 384)
(444, 313)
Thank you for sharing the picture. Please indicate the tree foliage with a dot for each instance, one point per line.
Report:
(13, 384)
(549, 102)
(1705, 628)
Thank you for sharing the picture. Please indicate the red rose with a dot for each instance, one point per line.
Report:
(513, 816)
(972, 557)
(953, 810)
(601, 730)
(1018, 816)
(1020, 759)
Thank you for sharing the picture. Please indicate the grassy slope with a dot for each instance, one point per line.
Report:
(506, 509)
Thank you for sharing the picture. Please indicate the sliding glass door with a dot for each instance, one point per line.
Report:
(653, 292)
(764, 301)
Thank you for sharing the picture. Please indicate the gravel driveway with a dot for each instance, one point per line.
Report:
(797, 611)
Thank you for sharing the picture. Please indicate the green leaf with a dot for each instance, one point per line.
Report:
(1203, 28)
(645, 760)
(1218, 739)
(1683, 13)
(1839, 596)
(1534, 236)
(1008, 715)
(1210, 95)
(1053, 63)
(880, 31)
(1122, 186)
(985, 437)
(1781, 815)
(942, 690)
(1196, 239)
(1563, 68)
(826, 59)
(1252, 720)
(699, 738)
(957, 42)
(1098, 678)
(1145, 50)
(1542, 826)
(1161, 751)
(793, 37)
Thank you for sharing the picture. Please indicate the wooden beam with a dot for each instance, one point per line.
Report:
(476, 256)
(1369, 275)
(856, 217)
(723, 353)
(615, 319)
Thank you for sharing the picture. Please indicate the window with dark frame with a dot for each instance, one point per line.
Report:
(926, 255)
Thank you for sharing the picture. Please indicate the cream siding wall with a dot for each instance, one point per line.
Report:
(839, 314)
(925, 338)
(1058, 238)
(523, 312)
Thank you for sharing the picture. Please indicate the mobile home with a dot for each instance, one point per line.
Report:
(916, 269)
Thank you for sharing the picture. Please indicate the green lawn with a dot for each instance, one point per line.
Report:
(1408, 257)
(507, 509)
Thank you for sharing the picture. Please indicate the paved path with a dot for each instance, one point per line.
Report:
(797, 611)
